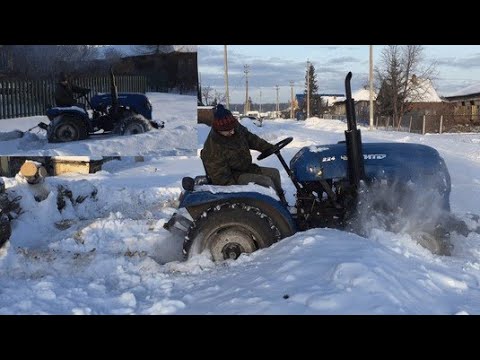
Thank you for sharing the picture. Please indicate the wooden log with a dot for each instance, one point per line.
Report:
(33, 172)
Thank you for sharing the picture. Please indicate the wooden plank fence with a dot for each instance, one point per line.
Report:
(430, 124)
(30, 98)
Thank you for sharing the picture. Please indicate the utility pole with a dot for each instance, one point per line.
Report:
(308, 89)
(226, 75)
(371, 87)
(278, 106)
(260, 100)
(246, 108)
(291, 100)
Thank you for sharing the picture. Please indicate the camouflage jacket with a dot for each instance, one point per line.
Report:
(226, 158)
(64, 94)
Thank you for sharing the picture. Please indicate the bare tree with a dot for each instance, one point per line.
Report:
(43, 61)
(113, 54)
(207, 94)
(402, 78)
(220, 97)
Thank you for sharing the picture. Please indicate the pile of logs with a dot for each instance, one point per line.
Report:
(32, 171)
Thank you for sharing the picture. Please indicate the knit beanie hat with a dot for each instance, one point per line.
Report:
(223, 119)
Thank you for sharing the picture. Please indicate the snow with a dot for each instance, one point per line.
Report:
(423, 92)
(179, 112)
(363, 95)
(330, 100)
(238, 188)
(109, 253)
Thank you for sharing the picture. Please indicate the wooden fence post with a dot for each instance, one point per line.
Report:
(11, 100)
(410, 126)
(35, 94)
(17, 99)
(21, 98)
(43, 92)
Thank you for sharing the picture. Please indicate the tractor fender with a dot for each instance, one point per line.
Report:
(198, 202)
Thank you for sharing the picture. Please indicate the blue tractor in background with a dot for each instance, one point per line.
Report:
(120, 113)
(337, 185)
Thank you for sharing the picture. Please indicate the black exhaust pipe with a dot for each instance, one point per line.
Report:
(353, 137)
(114, 92)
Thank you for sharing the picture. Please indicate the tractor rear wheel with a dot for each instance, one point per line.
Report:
(66, 128)
(229, 230)
(131, 125)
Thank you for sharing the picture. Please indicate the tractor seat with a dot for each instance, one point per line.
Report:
(71, 110)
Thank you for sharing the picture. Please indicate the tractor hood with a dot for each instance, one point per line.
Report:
(390, 161)
(137, 102)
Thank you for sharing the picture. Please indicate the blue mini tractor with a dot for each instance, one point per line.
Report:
(337, 185)
(120, 113)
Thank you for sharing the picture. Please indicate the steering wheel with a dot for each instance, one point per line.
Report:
(277, 147)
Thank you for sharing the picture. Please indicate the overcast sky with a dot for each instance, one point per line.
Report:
(458, 66)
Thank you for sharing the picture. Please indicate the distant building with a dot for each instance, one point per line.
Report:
(422, 91)
(422, 97)
(330, 99)
(466, 103)
(361, 98)
(299, 99)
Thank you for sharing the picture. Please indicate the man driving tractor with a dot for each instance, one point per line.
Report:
(226, 155)
(64, 91)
